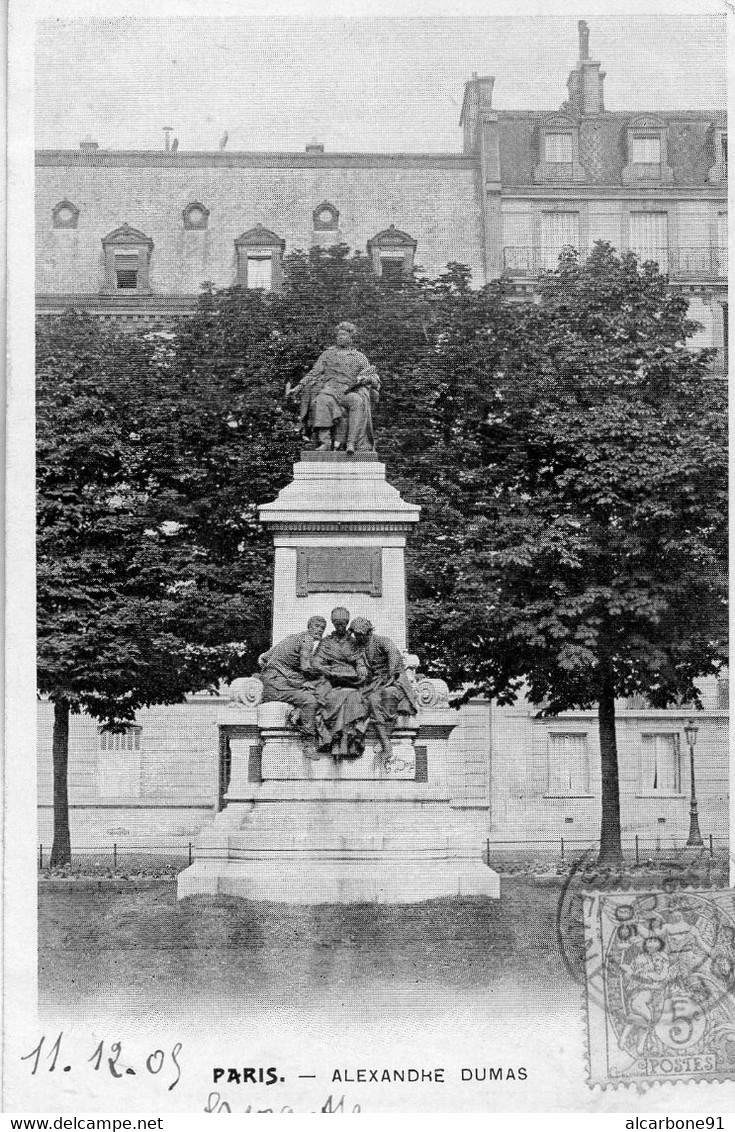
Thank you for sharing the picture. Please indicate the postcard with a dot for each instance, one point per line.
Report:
(367, 491)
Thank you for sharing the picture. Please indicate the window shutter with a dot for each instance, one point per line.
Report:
(646, 151)
(558, 230)
(568, 764)
(558, 147)
(260, 272)
(649, 237)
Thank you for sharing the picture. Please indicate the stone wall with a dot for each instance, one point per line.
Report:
(498, 771)
(433, 198)
(527, 805)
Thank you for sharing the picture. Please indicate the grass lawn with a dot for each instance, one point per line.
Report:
(145, 948)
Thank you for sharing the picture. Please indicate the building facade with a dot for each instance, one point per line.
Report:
(134, 234)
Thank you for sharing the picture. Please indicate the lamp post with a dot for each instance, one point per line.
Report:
(695, 837)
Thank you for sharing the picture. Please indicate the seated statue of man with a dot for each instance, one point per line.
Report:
(337, 396)
(288, 675)
(342, 717)
(388, 691)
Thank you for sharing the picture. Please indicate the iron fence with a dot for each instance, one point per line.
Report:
(705, 262)
(148, 856)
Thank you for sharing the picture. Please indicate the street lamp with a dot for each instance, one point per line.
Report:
(695, 837)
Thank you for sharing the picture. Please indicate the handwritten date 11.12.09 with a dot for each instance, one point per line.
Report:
(106, 1058)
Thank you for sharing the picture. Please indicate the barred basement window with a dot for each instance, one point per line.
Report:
(127, 740)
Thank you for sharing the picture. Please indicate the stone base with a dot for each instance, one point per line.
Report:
(322, 842)
(301, 879)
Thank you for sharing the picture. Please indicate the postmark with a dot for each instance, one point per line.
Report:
(660, 983)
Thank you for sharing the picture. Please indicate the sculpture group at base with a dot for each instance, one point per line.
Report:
(337, 396)
(339, 684)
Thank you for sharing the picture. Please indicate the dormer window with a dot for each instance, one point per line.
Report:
(65, 215)
(646, 146)
(259, 259)
(325, 217)
(195, 216)
(127, 260)
(558, 150)
(392, 253)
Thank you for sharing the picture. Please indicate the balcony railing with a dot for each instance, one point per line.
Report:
(678, 263)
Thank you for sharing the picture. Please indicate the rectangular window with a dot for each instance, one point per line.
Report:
(126, 271)
(724, 153)
(119, 763)
(568, 764)
(558, 148)
(260, 272)
(660, 766)
(391, 267)
(646, 151)
(722, 243)
(558, 230)
(723, 693)
(649, 237)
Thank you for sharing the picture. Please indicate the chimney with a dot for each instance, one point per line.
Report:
(314, 146)
(585, 82)
(88, 143)
(167, 131)
(478, 98)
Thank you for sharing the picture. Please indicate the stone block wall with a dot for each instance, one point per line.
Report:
(158, 794)
(433, 198)
(526, 805)
(497, 766)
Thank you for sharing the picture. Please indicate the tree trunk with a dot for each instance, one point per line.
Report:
(611, 852)
(61, 851)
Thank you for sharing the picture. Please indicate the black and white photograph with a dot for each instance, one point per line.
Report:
(367, 582)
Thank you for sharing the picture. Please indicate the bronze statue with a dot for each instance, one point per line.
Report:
(388, 692)
(342, 716)
(288, 675)
(338, 394)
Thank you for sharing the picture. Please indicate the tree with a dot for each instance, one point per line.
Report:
(593, 564)
(130, 610)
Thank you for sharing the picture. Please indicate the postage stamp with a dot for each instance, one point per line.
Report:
(660, 970)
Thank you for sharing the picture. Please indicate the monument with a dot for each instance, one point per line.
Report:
(336, 769)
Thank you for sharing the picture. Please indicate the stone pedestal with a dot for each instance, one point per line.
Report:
(363, 830)
(339, 531)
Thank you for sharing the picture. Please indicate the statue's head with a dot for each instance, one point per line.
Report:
(316, 626)
(361, 629)
(340, 619)
(344, 333)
